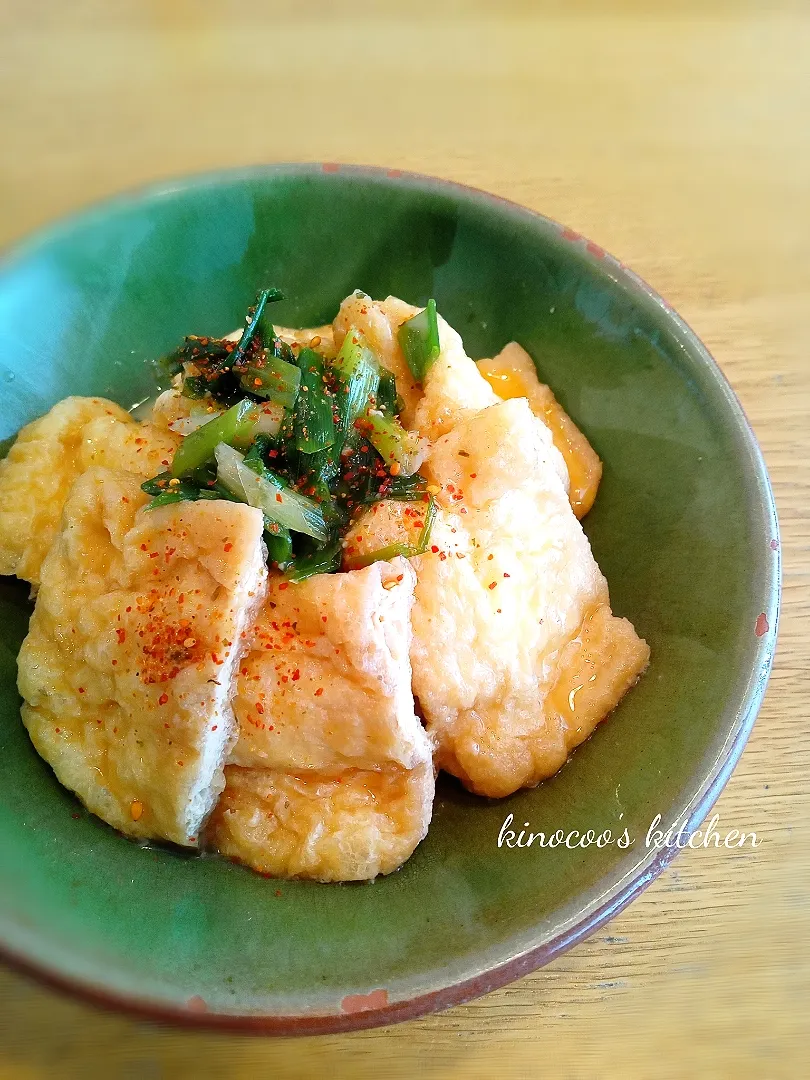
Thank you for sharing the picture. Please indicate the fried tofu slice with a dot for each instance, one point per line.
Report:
(46, 458)
(332, 777)
(453, 386)
(327, 681)
(127, 667)
(516, 656)
(512, 374)
(349, 826)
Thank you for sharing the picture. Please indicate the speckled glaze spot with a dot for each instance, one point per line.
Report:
(569, 234)
(377, 999)
(394, 174)
(196, 1004)
(595, 249)
(774, 545)
(762, 626)
(330, 166)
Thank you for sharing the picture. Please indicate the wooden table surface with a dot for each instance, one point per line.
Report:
(675, 135)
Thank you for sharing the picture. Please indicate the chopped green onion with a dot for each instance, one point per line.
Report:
(401, 489)
(358, 375)
(267, 492)
(397, 447)
(235, 427)
(314, 420)
(324, 561)
(173, 495)
(217, 492)
(157, 484)
(273, 379)
(279, 543)
(266, 329)
(194, 387)
(237, 356)
(419, 340)
(383, 554)
(261, 444)
(387, 400)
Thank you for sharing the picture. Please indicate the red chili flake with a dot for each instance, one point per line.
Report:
(473, 475)
(180, 763)
(442, 555)
(451, 488)
(114, 662)
(81, 689)
(296, 675)
(259, 708)
(153, 554)
(458, 495)
(124, 499)
(434, 548)
(122, 635)
(163, 699)
(323, 618)
(507, 575)
(227, 547)
(319, 691)
(278, 497)
(129, 608)
(490, 556)
(213, 727)
(284, 585)
(492, 584)
(58, 731)
(143, 547)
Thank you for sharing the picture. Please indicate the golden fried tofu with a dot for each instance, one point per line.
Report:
(515, 654)
(512, 374)
(126, 671)
(349, 826)
(327, 682)
(453, 387)
(36, 476)
(139, 448)
(46, 458)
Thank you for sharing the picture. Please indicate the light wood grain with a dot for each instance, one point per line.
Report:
(678, 140)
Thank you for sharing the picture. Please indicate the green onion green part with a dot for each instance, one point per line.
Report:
(419, 340)
(314, 419)
(273, 379)
(395, 445)
(324, 561)
(235, 427)
(358, 375)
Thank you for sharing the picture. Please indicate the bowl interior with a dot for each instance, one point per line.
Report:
(681, 528)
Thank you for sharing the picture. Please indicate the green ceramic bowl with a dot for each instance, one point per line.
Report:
(684, 529)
